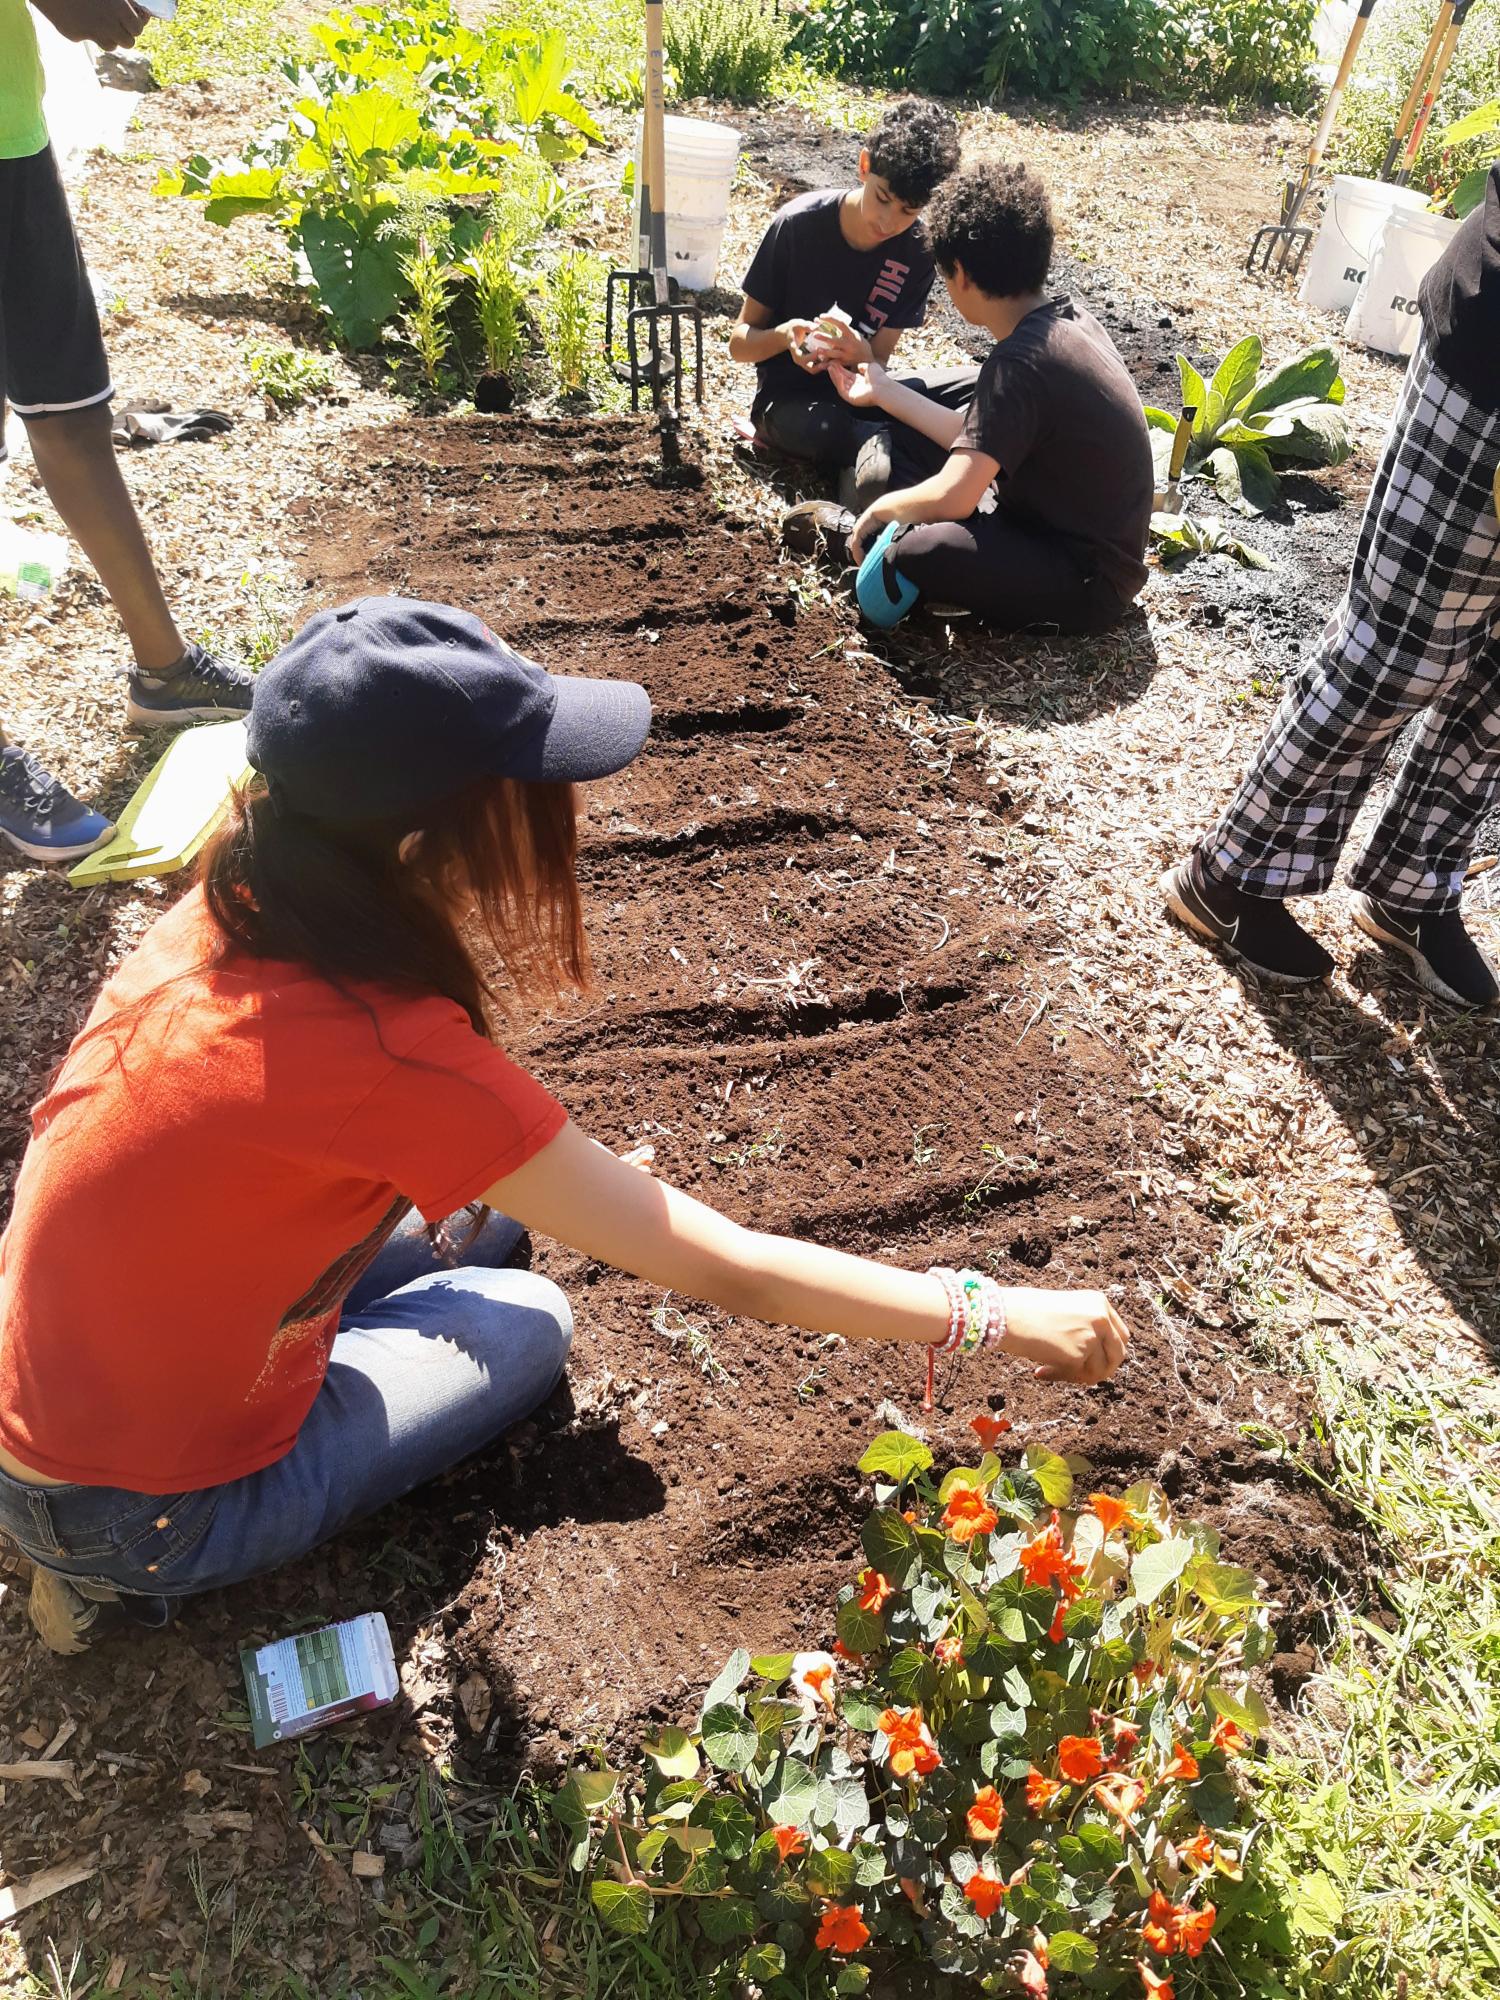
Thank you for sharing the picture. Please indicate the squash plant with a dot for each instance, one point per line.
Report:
(1251, 419)
(401, 110)
(1015, 1765)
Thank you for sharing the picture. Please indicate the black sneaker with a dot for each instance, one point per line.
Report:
(202, 689)
(818, 528)
(1256, 929)
(39, 816)
(1444, 957)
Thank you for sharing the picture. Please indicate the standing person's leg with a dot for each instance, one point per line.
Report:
(1406, 632)
(59, 385)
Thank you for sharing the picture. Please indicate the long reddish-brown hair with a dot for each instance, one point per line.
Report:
(495, 862)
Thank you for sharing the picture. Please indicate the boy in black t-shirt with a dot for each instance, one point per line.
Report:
(1028, 500)
(863, 251)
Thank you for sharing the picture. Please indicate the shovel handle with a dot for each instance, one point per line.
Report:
(654, 149)
(1336, 89)
(1414, 95)
(1434, 85)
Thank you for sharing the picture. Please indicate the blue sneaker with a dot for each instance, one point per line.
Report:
(39, 817)
(885, 595)
(202, 689)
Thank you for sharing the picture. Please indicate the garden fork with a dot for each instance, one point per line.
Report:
(1286, 241)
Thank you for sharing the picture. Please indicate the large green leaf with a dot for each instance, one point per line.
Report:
(356, 271)
(726, 1919)
(891, 1544)
(1479, 123)
(729, 1679)
(1469, 193)
(789, 1793)
(1194, 390)
(1071, 1951)
(1312, 433)
(370, 121)
(1160, 1565)
(730, 1738)
(731, 1824)
(895, 1455)
(252, 192)
(1243, 478)
(861, 1631)
(1052, 1473)
(624, 1906)
(830, 1872)
(1158, 420)
(1233, 379)
(674, 1754)
(1313, 373)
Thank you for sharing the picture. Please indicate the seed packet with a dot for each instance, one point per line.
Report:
(301, 1684)
(826, 329)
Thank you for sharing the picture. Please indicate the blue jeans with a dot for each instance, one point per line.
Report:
(429, 1363)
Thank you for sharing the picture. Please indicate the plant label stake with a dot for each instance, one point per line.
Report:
(1182, 437)
(650, 314)
(1286, 241)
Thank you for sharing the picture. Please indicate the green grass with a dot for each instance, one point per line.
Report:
(214, 38)
(1387, 1831)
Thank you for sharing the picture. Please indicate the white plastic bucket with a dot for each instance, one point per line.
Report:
(1385, 314)
(701, 159)
(1340, 255)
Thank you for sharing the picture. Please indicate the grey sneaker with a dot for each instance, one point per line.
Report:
(1256, 929)
(1444, 957)
(818, 528)
(202, 689)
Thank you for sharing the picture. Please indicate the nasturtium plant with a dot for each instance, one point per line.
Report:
(1250, 419)
(1017, 1764)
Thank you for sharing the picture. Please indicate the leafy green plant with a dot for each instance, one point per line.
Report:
(1015, 1765)
(288, 376)
(431, 279)
(726, 48)
(400, 109)
(1250, 418)
(1213, 51)
(570, 295)
(1482, 126)
(1180, 537)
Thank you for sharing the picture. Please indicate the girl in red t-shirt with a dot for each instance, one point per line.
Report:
(269, 1125)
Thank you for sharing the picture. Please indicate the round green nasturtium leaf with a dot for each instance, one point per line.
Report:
(728, 1679)
(624, 1906)
(731, 1823)
(1070, 1951)
(852, 1979)
(730, 1738)
(891, 1544)
(1246, 1711)
(1052, 1474)
(674, 1754)
(1225, 1589)
(861, 1631)
(896, 1455)
(722, 1919)
(772, 1666)
(593, 1789)
(1159, 1566)
(829, 1872)
(762, 1962)
(789, 1793)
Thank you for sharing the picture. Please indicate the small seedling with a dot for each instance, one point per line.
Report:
(770, 1148)
(432, 280)
(683, 1332)
(923, 1149)
(288, 376)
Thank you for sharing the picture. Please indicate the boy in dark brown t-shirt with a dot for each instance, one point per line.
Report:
(1030, 505)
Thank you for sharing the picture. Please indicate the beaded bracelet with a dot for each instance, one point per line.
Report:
(976, 1310)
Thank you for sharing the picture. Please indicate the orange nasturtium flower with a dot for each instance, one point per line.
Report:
(1181, 1764)
(1055, 1629)
(1126, 1736)
(1228, 1736)
(1121, 1795)
(1029, 1969)
(788, 1841)
(813, 1677)
(949, 1652)
(1045, 1560)
(1040, 1790)
(968, 1514)
(1160, 1927)
(985, 1893)
(842, 1928)
(1158, 1985)
(1194, 1928)
(1199, 1851)
(912, 1750)
(1113, 1514)
(989, 1429)
(985, 1816)
(1080, 1758)
(842, 1652)
(875, 1590)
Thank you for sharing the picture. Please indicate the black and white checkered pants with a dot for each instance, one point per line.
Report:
(1416, 635)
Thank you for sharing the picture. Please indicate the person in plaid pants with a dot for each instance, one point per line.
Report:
(1416, 639)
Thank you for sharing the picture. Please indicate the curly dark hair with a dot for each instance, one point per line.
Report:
(913, 148)
(994, 219)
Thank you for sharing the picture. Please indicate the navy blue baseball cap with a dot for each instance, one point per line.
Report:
(388, 703)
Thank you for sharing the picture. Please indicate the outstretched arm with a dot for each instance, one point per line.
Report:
(581, 1194)
(113, 24)
(870, 387)
(951, 494)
